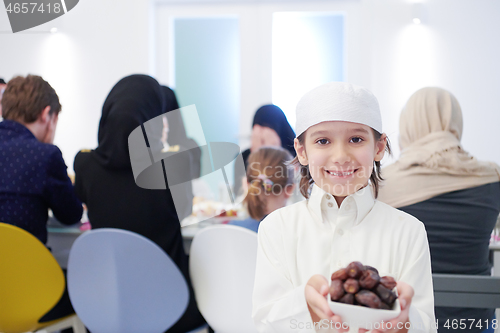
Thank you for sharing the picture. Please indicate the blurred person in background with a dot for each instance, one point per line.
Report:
(456, 196)
(33, 176)
(104, 179)
(175, 139)
(269, 128)
(270, 184)
(174, 136)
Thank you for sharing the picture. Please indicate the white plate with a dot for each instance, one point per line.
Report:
(363, 317)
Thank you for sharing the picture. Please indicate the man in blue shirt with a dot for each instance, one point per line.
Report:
(33, 176)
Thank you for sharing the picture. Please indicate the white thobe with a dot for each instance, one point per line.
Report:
(315, 236)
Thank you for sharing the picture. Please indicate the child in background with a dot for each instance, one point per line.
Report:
(339, 147)
(270, 184)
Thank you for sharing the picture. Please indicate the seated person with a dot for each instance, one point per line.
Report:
(104, 179)
(174, 136)
(456, 196)
(175, 139)
(33, 176)
(269, 128)
(270, 184)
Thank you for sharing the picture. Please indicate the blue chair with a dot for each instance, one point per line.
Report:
(119, 281)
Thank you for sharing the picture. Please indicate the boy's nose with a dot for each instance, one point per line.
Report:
(340, 155)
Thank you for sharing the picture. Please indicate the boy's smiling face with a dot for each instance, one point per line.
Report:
(340, 155)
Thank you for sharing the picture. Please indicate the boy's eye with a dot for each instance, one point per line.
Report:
(322, 141)
(356, 139)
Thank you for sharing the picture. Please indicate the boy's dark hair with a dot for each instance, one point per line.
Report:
(305, 176)
(25, 98)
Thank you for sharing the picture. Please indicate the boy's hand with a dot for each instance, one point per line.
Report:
(316, 292)
(405, 295)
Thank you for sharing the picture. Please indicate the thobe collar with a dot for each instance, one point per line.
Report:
(322, 203)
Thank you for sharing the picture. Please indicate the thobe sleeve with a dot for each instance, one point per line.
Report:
(278, 305)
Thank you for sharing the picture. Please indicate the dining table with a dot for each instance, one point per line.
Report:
(61, 237)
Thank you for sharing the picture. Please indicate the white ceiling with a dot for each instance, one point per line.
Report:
(180, 2)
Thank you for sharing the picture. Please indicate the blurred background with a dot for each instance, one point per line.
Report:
(228, 57)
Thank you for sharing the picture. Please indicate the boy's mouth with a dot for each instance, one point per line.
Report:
(341, 173)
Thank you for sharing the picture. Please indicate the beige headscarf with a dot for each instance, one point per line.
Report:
(432, 161)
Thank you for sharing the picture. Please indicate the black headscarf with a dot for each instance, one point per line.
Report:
(177, 132)
(273, 117)
(134, 100)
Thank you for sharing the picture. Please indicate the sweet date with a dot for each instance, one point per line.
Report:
(385, 294)
(351, 286)
(347, 299)
(388, 282)
(355, 269)
(336, 290)
(359, 284)
(369, 279)
(384, 306)
(341, 274)
(368, 298)
(371, 268)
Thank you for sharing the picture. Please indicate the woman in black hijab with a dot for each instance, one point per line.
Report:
(104, 180)
(269, 128)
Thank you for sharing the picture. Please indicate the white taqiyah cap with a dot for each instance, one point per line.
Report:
(338, 101)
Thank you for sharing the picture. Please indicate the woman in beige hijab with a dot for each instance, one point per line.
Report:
(456, 196)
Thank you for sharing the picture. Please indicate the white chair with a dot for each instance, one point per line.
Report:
(222, 268)
(119, 281)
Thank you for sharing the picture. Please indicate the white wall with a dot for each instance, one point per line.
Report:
(457, 49)
(256, 44)
(102, 41)
(98, 43)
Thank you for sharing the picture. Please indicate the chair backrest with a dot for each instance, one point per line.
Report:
(222, 268)
(119, 281)
(471, 291)
(31, 281)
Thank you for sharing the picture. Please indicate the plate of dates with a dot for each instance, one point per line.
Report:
(361, 297)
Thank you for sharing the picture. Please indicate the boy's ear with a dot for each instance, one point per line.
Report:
(45, 116)
(301, 152)
(380, 147)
